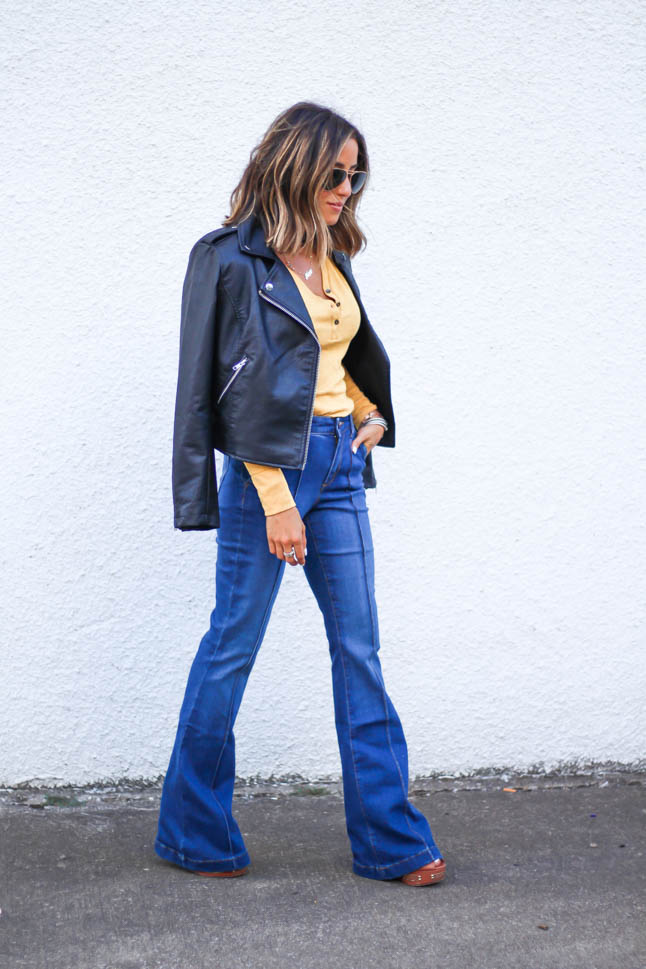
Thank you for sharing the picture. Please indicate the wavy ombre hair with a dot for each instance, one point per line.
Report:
(286, 172)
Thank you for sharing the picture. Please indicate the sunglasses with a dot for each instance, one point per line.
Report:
(338, 176)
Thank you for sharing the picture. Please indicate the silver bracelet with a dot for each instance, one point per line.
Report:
(376, 420)
(370, 413)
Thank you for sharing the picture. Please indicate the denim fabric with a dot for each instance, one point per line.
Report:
(197, 830)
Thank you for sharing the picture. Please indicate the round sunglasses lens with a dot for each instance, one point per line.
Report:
(334, 179)
(356, 181)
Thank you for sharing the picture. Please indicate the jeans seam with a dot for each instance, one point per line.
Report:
(347, 696)
(327, 481)
(357, 512)
(226, 729)
(197, 692)
(298, 483)
(281, 567)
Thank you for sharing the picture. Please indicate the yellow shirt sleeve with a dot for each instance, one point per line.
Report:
(362, 405)
(272, 488)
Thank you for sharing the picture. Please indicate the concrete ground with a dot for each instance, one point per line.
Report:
(551, 875)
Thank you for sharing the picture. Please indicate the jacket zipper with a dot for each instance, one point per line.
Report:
(318, 360)
(237, 367)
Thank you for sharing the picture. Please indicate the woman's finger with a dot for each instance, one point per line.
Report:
(355, 444)
(299, 558)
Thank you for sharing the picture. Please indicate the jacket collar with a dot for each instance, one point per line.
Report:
(278, 284)
(251, 238)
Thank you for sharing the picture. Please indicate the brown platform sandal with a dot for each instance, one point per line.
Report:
(430, 874)
(224, 874)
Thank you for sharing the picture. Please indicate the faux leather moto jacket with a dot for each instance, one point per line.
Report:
(248, 367)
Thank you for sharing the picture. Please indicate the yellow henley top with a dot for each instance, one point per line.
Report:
(336, 318)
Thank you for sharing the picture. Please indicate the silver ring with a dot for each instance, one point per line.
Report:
(292, 552)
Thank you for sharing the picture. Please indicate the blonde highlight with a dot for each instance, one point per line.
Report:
(286, 171)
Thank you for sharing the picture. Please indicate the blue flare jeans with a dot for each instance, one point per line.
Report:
(196, 828)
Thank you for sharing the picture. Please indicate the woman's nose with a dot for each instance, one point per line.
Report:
(345, 187)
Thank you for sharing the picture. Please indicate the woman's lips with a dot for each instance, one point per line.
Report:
(336, 205)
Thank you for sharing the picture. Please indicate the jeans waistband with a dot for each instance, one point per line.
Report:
(330, 425)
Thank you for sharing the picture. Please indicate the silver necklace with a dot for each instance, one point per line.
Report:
(305, 274)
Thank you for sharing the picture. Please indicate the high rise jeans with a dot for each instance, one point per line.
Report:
(197, 830)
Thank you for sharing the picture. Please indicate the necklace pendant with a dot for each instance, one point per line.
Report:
(309, 273)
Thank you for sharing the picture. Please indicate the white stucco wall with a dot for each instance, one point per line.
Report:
(504, 274)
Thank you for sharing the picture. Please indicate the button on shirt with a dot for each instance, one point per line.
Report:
(336, 318)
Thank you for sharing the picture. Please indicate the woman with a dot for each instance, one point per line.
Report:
(281, 370)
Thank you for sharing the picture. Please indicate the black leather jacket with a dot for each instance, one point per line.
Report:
(248, 367)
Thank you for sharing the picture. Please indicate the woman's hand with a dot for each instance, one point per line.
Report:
(371, 434)
(285, 529)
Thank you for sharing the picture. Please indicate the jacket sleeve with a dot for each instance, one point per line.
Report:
(195, 496)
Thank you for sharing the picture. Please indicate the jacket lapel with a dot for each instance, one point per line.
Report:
(278, 287)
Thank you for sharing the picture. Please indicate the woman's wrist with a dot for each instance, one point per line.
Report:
(375, 417)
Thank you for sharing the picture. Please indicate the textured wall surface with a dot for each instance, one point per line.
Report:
(504, 273)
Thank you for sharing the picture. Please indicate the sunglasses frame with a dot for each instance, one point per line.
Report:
(329, 186)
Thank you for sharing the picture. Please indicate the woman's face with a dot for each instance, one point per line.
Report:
(332, 202)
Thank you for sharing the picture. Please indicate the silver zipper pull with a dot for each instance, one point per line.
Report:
(240, 363)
